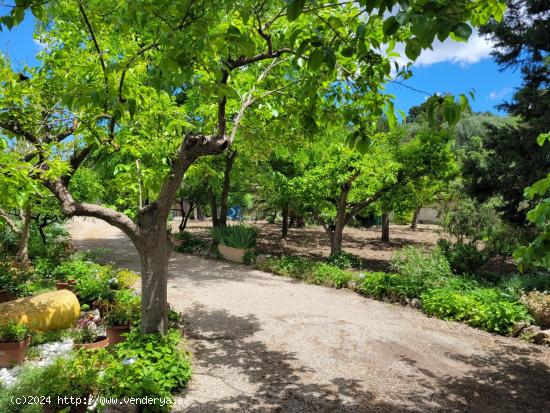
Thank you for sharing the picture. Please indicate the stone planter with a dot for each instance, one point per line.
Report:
(115, 334)
(13, 353)
(233, 254)
(101, 342)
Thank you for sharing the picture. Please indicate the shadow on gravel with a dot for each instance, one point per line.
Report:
(503, 382)
(222, 341)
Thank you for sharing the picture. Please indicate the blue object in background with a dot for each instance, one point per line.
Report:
(234, 213)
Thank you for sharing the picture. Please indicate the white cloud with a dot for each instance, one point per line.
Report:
(477, 48)
(499, 94)
(40, 45)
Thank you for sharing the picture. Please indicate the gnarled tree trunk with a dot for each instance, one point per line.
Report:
(24, 234)
(385, 226)
(284, 230)
(414, 222)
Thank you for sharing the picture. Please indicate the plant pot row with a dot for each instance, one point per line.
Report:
(12, 354)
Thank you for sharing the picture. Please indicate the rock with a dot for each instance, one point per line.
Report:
(54, 310)
(518, 328)
(260, 258)
(542, 337)
(415, 303)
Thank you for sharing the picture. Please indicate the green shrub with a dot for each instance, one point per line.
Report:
(75, 376)
(330, 275)
(394, 287)
(289, 266)
(309, 271)
(485, 308)
(236, 236)
(55, 248)
(13, 279)
(13, 332)
(147, 365)
(344, 260)
(193, 245)
(463, 258)
(125, 310)
(517, 284)
(420, 263)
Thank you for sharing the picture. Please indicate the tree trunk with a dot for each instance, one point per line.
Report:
(199, 213)
(336, 231)
(181, 226)
(285, 221)
(154, 250)
(414, 222)
(185, 218)
(385, 226)
(213, 207)
(229, 161)
(23, 244)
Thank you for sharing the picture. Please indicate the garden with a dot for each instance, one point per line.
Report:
(247, 156)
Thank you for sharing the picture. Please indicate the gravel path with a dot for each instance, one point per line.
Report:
(264, 343)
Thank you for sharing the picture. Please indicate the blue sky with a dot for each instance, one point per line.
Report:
(451, 67)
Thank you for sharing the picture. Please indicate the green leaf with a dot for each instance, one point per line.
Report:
(294, 8)
(413, 48)
(462, 31)
(316, 58)
(390, 26)
(132, 107)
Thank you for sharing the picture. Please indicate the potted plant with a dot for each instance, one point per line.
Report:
(13, 282)
(87, 334)
(122, 315)
(14, 341)
(235, 242)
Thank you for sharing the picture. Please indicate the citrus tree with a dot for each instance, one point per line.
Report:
(171, 82)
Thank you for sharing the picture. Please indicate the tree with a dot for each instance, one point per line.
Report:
(522, 40)
(116, 80)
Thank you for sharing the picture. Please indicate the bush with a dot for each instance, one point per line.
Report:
(485, 308)
(538, 304)
(289, 266)
(193, 244)
(394, 287)
(125, 310)
(330, 275)
(13, 279)
(13, 332)
(463, 258)
(236, 236)
(147, 365)
(57, 246)
(344, 260)
(309, 271)
(75, 376)
(517, 284)
(419, 263)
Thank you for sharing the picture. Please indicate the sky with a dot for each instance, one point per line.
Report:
(451, 67)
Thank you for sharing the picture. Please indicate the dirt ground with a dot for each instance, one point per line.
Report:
(312, 242)
(264, 343)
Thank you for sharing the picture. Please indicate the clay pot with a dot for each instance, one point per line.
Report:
(13, 353)
(5, 297)
(115, 334)
(233, 254)
(62, 285)
(100, 342)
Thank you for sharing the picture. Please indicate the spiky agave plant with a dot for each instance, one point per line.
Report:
(236, 236)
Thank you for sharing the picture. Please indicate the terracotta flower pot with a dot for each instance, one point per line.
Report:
(62, 285)
(233, 254)
(5, 297)
(13, 353)
(100, 342)
(115, 334)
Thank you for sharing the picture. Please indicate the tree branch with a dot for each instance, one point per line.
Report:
(9, 221)
(96, 44)
(72, 208)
